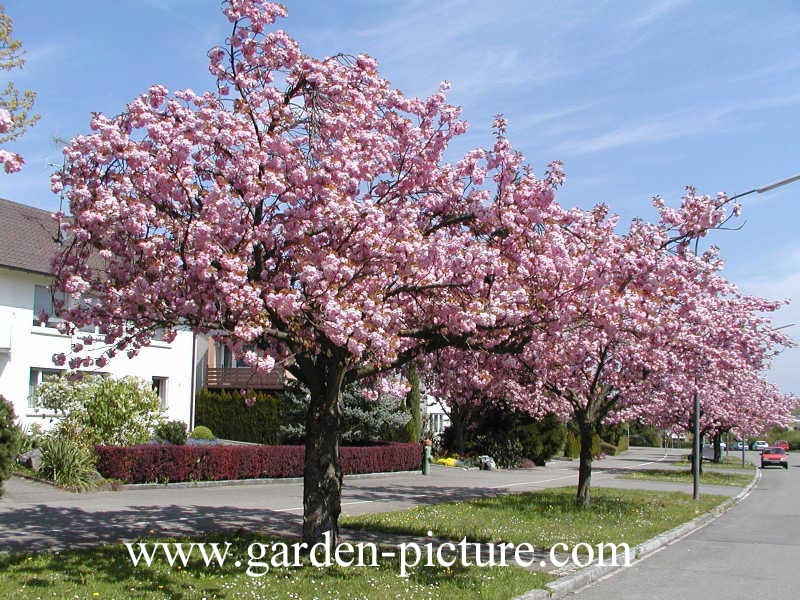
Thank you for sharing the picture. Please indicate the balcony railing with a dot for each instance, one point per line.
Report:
(243, 378)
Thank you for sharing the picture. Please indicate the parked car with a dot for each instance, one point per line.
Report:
(774, 457)
(783, 445)
(760, 445)
(739, 445)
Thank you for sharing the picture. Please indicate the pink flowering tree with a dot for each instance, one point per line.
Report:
(15, 105)
(301, 213)
(658, 319)
(621, 326)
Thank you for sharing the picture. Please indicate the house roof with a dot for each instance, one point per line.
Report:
(27, 237)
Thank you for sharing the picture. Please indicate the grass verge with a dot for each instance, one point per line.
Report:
(707, 477)
(546, 517)
(108, 572)
(727, 463)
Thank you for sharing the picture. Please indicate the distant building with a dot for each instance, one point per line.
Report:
(435, 419)
(27, 244)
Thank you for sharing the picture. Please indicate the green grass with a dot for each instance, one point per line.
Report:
(685, 476)
(106, 572)
(728, 462)
(546, 517)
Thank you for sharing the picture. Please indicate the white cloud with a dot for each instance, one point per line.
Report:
(653, 12)
(785, 371)
(677, 124)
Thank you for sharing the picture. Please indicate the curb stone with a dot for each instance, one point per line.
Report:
(237, 482)
(573, 582)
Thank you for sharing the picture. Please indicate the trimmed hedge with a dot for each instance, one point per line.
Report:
(227, 415)
(166, 463)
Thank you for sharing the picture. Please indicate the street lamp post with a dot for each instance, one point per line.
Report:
(696, 418)
(768, 188)
(697, 449)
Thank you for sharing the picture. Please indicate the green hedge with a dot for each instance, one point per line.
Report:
(791, 436)
(609, 449)
(226, 414)
(572, 445)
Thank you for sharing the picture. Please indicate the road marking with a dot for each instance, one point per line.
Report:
(572, 475)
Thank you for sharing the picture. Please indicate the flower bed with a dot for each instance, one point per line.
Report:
(163, 463)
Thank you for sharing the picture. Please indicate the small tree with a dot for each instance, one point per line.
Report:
(413, 429)
(102, 410)
(9, 440)
(363, 418)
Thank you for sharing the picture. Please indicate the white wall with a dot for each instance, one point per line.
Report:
(433, 412)
(33, 346)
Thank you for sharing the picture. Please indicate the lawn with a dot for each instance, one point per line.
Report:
(546, 517)
(107, 572)
(728, 462)
(685, 476)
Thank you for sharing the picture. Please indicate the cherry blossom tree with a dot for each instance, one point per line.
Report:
(15, 105)
(300, 213)
(625, 326)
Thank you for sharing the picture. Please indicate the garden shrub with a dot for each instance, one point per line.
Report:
(67, 462)
(624, 444)
(572, 445)
(595, 445)
(226, 413)
(608, 449)
(30, 438)
(363, 418)
(541, 439)
(9, 440)
(155, 463)
(507, 452)
(201, 432)
(645, 435)
(507, 435)
(172, 432)
(102, 410)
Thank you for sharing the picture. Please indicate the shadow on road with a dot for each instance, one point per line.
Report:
(42, 527)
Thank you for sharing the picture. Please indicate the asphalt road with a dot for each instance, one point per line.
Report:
(36, 516)
(752, 552)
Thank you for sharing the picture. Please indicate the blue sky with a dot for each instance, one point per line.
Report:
(636, 98)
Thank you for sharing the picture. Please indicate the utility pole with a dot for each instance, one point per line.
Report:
(697, 449)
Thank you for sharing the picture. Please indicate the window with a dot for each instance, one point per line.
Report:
(227, 360)
(38, 376)
(160, 388)
(43, 301)
(437, 422)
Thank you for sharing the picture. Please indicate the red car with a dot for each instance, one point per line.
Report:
(774, 457)
(782, 444)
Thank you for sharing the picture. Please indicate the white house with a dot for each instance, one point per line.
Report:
(434, 415)
(27, 346)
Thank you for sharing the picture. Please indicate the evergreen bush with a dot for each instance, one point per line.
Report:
(172, 432)
(9, 440)
(226, 413)
(201, 432)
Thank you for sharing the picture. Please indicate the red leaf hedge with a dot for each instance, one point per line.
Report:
(163, 463)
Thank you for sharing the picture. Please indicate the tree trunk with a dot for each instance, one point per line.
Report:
(718, 447)
(322, 475)
(457, 422)
(586, 431)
